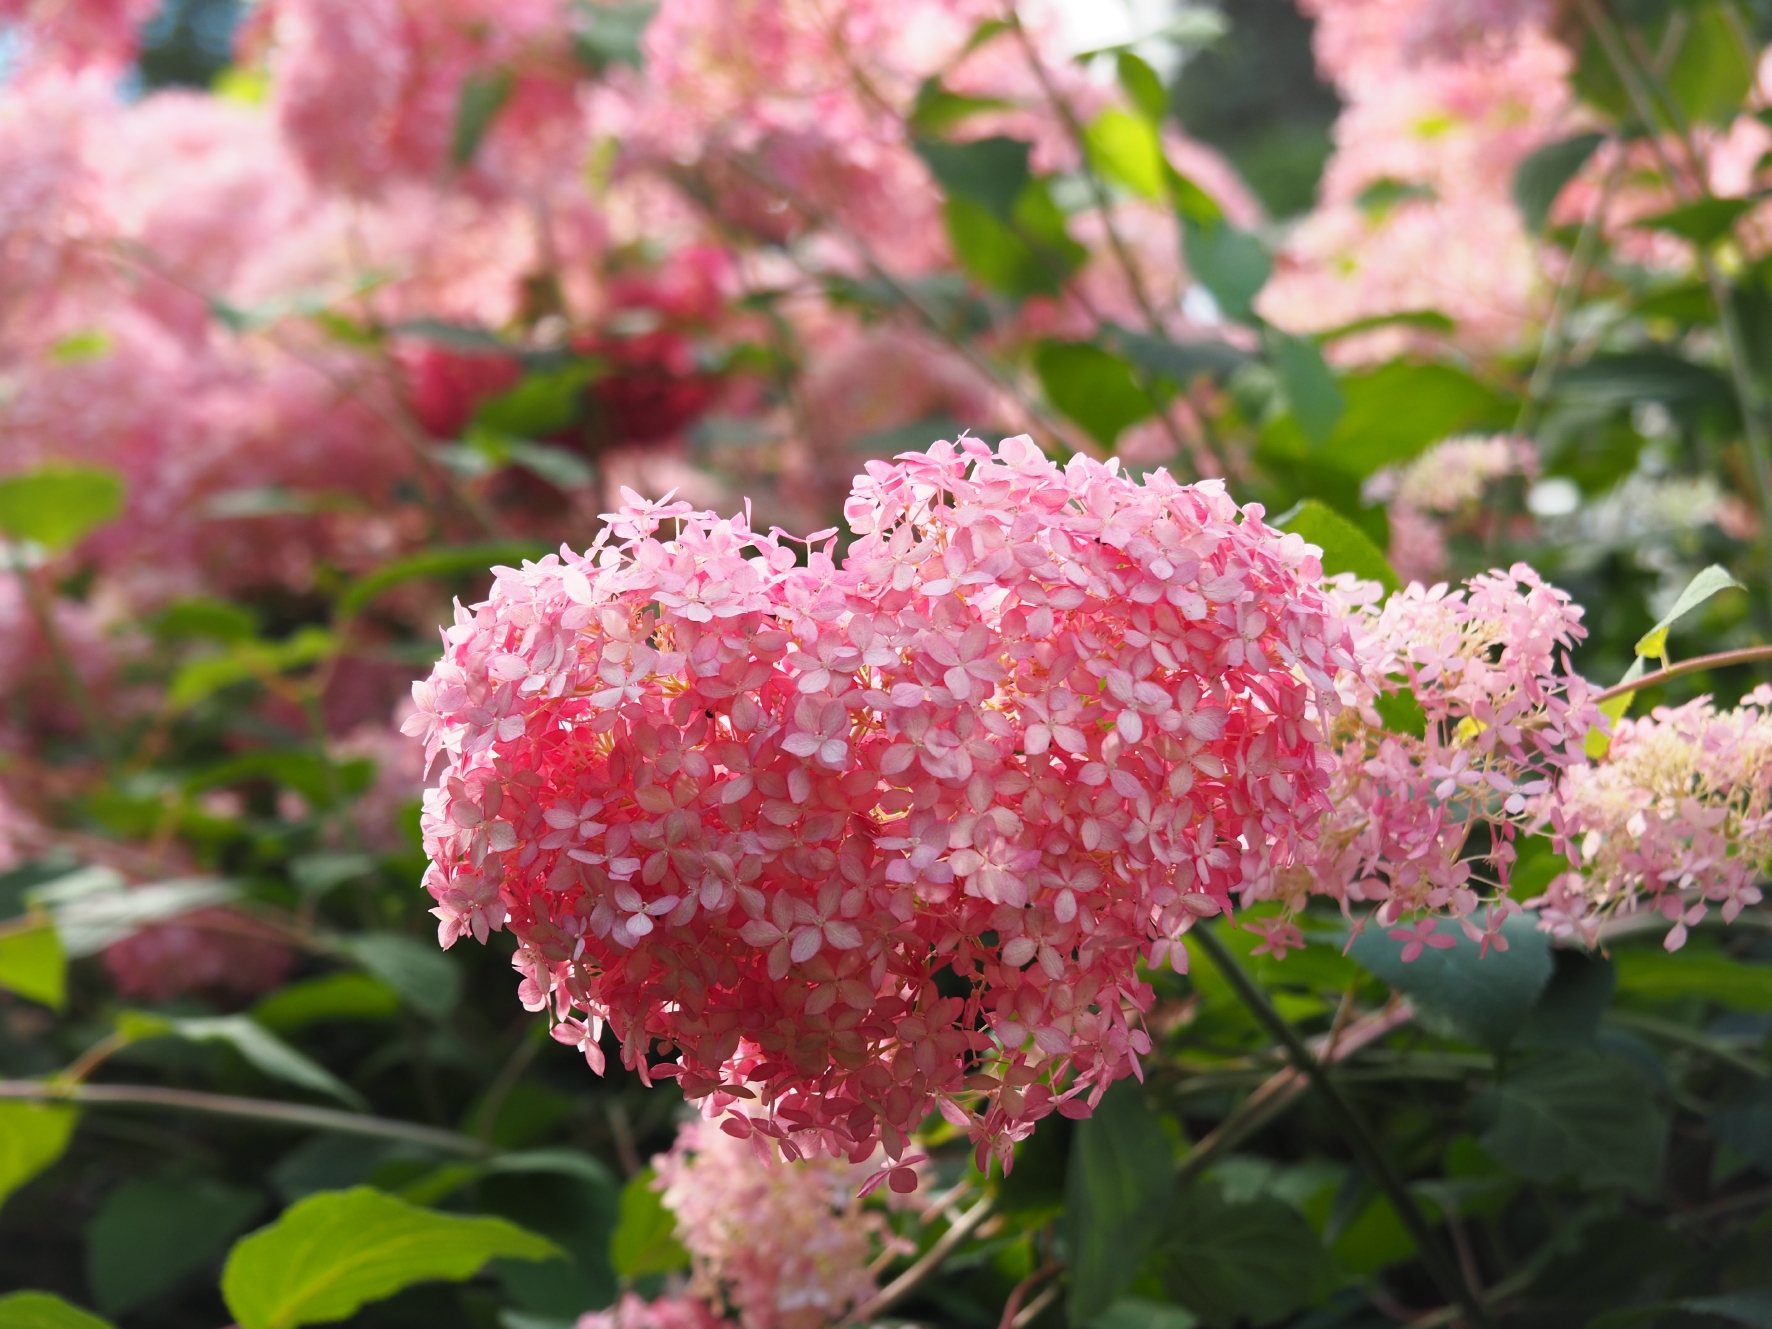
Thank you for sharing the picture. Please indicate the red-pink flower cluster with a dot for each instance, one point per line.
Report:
(1426, 808)
(849, 842)
(1678, 818)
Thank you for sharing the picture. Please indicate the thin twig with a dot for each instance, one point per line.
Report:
(1359, 1135)
(296, 1115)
(1696, 665)
(1104, 205)
(927, 1263)
(1031, 1311)
(1012, 1311)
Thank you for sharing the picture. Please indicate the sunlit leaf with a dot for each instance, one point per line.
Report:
(1344, 545)
(1092, 387)
(1125, 148)
(57, 506)
(32, 1136)
(336, 1251)
(33, 963)
(645, 1240)
(1701, 588)
(44, 1310)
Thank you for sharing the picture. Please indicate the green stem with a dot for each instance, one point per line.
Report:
(43, 611)
(296, 1115)
(1359, 1136)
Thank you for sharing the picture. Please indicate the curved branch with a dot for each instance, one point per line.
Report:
(297, 1115)
(1696, 665)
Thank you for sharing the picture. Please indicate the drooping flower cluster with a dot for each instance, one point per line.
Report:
(1466, 711)
(852, 842)
(785, 1245)
(1676, 820)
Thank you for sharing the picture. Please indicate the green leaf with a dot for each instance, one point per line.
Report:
(328, 997)
(1344, 545)
(938, 110)
(317, 873)
(1231, 263)
(1092, 387)
(1673, 976)
(1117, 1193)
(1430, 320)
(1698, 590)
(32, 1136)
(44, 1310)
(1143, 87)
(482, 97)
(456, 562)
(418, 971)
(1401, 712)
(92, 907)
(1396, 411)
(1311, 389)
(260, 1048)
(1004, 258)
(610, 34)
(33, 963)
(541, 403)
(151, 1235)
(1257, 1262)
(1542, 175)
(201, 679)
(205, 620)
(1714, 70)
(1622, 380)
(1746, 1127)
(989, 173)
(1703, 223)
(1125, 149)
(645, 1240)
(1576, 1113)
(1137, 1313)
(1753, 1308)
(1598, 743)
(1484, 999)
(57, 506)
(1178, 362)
(336, 1251)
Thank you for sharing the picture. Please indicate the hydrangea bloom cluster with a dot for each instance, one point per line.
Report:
(1445, 481)
(218, 952)
(1676, 820)
(849, 842)
(668, 1312)
(785, 1245)
(1466, 711)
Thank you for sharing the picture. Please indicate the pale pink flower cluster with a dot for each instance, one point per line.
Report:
(73, 33)
(672, 1311)
(785, 1245)
(1445, 481)
(747, 803)
(370, 92)
(1676, 820)
(1502, 717)
(1416, 209)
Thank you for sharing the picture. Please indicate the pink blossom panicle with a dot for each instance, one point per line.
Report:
(785, 1245)
(849, 842)
(1676, 820)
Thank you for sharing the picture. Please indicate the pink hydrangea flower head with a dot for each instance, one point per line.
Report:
(839, 843)
(1677, 819)
(668, 1312)
(217, 952)
(787, 1245)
